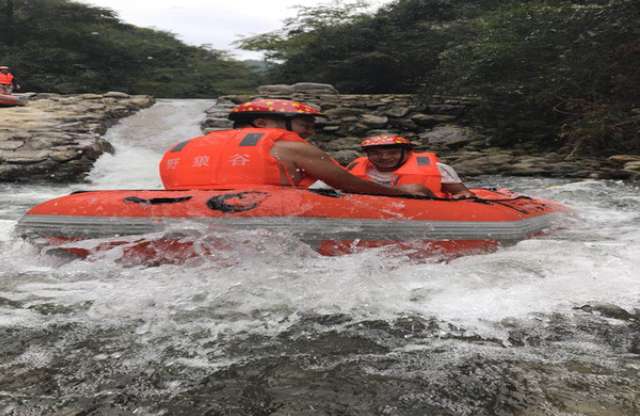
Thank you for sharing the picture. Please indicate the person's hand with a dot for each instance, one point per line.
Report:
(463, 195)
(418, 193)
(17, 87)
(416, 189)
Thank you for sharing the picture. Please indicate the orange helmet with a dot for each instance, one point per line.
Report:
(386, 141)
(268, 107)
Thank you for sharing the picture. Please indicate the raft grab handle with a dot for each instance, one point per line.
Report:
(156, 201)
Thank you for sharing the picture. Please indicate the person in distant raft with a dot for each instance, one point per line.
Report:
(7, 81)
(391, 161)
(264, 148)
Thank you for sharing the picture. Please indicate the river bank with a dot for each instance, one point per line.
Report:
(443, 125)
(58, 138)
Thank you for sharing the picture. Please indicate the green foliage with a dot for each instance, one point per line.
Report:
(568, 67)
(303, 30)
(66, 47)
(572, 64)
(390, 51)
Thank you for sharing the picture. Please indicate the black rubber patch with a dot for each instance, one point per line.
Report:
(352, 165)
(327, 192)
(242, 201)
(250, 139)
(156, 201)
(180, 146)
(423, 161)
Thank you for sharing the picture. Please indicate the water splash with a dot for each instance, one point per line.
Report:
(141, 141)
(267, 325)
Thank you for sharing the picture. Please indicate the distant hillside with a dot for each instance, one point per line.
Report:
(63, 46)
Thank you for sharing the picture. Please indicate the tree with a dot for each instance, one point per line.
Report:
(68, 47)
(562, 72)
(571, 64)
(8, 22)
(300, 31)
(393, 50)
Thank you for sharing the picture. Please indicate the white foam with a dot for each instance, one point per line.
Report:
(141, 140)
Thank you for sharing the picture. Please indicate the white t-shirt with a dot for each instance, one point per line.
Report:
(449, 175)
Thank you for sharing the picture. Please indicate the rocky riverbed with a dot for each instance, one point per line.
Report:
(57, 138)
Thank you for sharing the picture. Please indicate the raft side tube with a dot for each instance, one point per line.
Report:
(305, 228)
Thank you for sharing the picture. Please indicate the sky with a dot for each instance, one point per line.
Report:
(215, 22)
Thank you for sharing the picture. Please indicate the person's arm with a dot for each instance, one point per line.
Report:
(458, 190)
(317, 164)
(452, 183)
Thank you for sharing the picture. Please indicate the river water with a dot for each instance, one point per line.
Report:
(548, 326)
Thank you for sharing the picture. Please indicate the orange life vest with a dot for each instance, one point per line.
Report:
(420, 168)
(6, 79)
(227, 159)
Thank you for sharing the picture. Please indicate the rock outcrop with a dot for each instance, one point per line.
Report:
(57, 138)
(442, 125)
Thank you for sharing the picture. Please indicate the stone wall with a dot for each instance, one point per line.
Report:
(442, 125)
(57, 138)
(443, 122)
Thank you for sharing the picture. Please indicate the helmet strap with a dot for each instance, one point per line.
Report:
(401, 161)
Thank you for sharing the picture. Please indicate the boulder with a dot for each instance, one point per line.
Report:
(405, 124)
(430, 120)
(10, 145)
(487, 163)
(115, 94)
(314, 88)
(396, 110)
(137, 102)
(65, 155)
(450, 134)
(358, 129)
(57, 138)
(623, 160)
(275, 89)
(374, 121)
(633, 165)
(90, 96)
(344, 113)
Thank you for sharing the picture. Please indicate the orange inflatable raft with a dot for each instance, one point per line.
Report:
(331, 222)
(12, 100)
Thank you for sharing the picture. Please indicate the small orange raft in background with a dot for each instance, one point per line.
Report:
(331, 222)
(12, 100)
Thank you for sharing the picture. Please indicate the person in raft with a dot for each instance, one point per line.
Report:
(264, 148)
(391, 161)
(7, 81)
